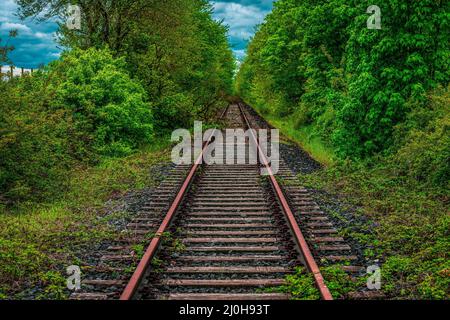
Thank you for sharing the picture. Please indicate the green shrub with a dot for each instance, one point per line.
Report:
(77, 110)
(35, 143)
(302, 116)
(105, 103)
(424, 142)
(173, 111)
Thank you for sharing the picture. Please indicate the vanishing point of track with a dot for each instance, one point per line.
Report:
(229, 229)
(238, 235)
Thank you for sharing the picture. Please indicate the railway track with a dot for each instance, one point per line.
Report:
(221, 232)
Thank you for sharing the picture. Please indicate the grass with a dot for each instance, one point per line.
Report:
(410, 233)
(310, 143)
(39, 240)
(407, 224)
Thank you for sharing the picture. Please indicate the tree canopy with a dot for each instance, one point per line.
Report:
(318, 60)
(134, 71)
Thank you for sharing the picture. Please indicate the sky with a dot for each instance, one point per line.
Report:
(36, 42)
(242, 16)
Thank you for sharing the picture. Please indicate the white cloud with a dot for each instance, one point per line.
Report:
(243, 34)
(35, 43)
(7, 10)
(238, 16)
(17, 26)
(241, 17)
(42, 35)
(240, 52)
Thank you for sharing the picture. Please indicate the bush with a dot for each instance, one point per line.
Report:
(75, 111)
(424, 142)
(173, 111)
(302, 117)
(105, 103)
(35, 150)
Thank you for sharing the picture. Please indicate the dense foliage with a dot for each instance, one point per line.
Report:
(143, 68)
(376, 101)
(178, 52)
(79, 108)
(109, 109)
(318, 61)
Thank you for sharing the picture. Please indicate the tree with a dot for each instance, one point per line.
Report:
(403, 60)
(318, 61)
(103, 22)
(6, 48)
(175, 49)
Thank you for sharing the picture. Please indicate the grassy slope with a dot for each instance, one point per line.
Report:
(411, 223)
(313, 145)
(38, 241)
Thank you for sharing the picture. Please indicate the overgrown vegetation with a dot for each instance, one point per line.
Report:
(318, 62)
(116, 85)
(89, 126)
(75, 111)
(301, 286)
(371, 104)
(409, 223)
(38, 241)
(374, 106)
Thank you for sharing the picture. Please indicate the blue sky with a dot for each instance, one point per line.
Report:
(36, 43)
(241, 16)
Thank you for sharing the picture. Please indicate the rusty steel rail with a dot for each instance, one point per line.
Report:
(143, 265)
(298, 235)
(139, 273)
